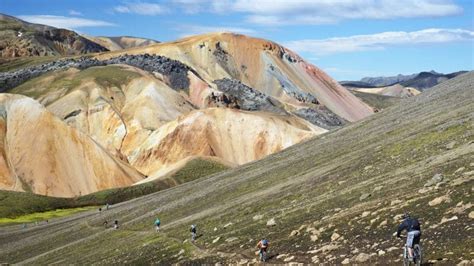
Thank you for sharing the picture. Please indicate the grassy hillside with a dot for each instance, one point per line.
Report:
(13, 204)
(193, 170)
(106, 76)
(43, 217)
(335, 198)
(12, 64)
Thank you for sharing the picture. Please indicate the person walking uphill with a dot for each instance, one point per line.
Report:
(262, 246)
(193, 232)
(157, 224)
(413, 228)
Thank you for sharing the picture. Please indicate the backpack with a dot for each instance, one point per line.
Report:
(411, 224)
(264, 243)
(415, 225)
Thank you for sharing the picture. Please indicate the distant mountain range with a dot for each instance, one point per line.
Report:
(419, 81)
(19, 38)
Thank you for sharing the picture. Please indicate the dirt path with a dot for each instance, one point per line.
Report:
(199, 252)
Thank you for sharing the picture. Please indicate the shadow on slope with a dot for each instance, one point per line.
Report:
(13, 204)
(379, 102)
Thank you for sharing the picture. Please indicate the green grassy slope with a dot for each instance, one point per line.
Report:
(353, 182)
(193, 170)
(62, 81)
(43, 217)
(13, 204)
(12, 64)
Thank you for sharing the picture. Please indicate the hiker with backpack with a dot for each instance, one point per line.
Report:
(157, 224)
(262, 249)
(193, 232)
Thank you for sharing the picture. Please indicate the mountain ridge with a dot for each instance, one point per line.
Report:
(114, 43)
(19, 38)
(257, 63)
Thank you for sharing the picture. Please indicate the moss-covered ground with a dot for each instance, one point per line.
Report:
(43, 216)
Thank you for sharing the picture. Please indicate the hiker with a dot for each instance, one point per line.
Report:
(262, 249)
(116, 226)
(413, 228)
(193, 232)
(157, 224)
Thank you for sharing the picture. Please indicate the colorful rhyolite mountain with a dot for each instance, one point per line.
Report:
(136, 116)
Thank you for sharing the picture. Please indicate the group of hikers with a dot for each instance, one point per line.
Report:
(262, 244)
(107, 206)
(106, 223)
(411, 225)
(193, 229)
(116, 224)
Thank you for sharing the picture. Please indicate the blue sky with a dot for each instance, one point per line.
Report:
(349, 39)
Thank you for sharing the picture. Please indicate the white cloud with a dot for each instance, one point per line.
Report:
(188, 30)
(141, 8)
(379, 41)
(282, 12)
(65, 22)
(74, 13)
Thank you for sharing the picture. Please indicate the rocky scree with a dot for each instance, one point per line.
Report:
(248, 98)
(321, 116)
(240, 96)
(175, 71)
(225, 60)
